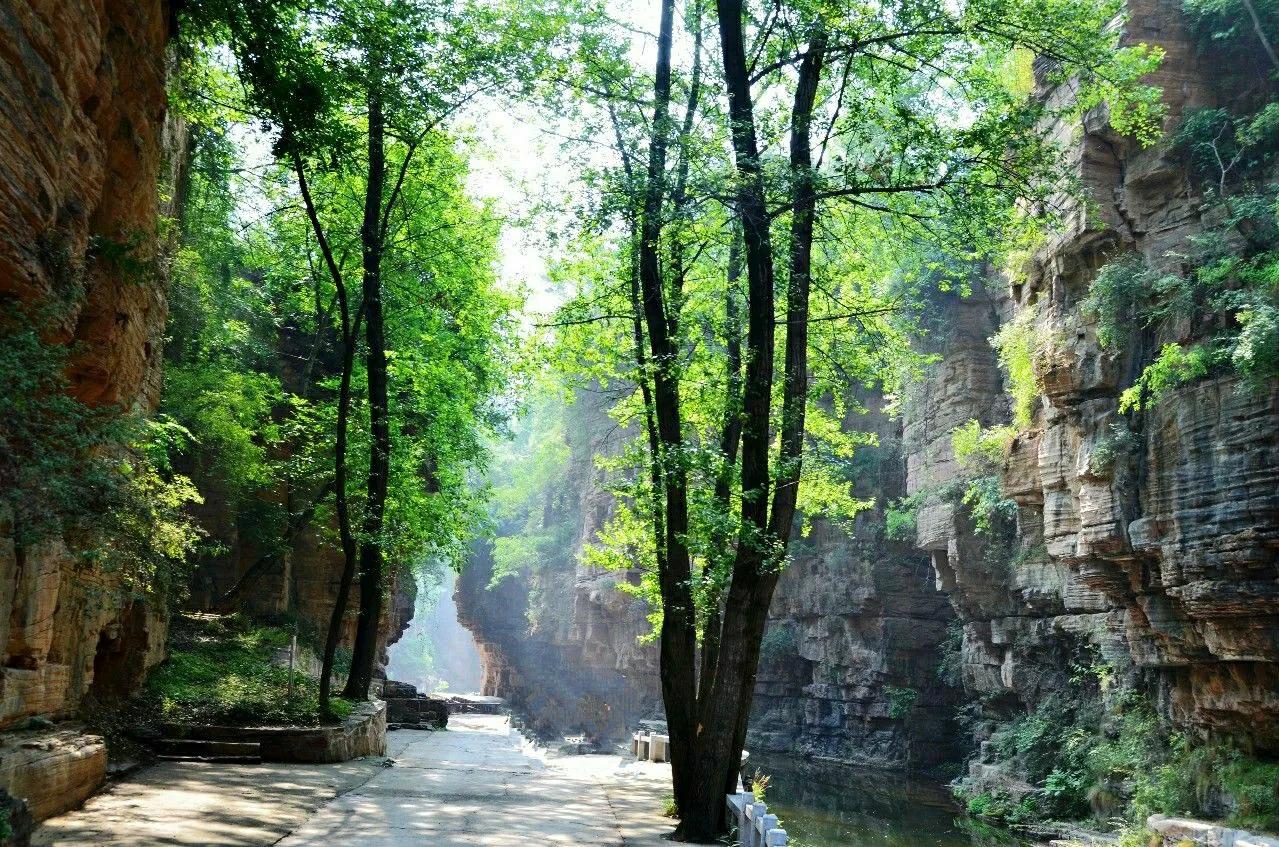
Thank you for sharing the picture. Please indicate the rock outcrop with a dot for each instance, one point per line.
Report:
(85, 143)
(849, 665)
(559, 641)
(83, 146)
(1157, 548)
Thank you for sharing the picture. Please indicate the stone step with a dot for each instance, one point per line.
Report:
(190, 749)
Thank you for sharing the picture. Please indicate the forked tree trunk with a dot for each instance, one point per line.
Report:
(763, 543)
(729, 442)
(678, 640)
(795, 390)
(349, 332)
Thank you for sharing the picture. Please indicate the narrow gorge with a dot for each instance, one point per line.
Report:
(888, 389)
(1138, 547)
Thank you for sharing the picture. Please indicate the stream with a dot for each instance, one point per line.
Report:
(831, 805)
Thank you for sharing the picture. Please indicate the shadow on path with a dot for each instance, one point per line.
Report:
(479, 783)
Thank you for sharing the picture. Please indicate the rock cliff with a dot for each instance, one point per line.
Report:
(83, 146)
(558, 640)
(1150, 538)
(1148, 542)
(85, 142)
(849, 665)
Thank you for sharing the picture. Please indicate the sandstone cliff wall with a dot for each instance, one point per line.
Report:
(849, 666)
(559, 640)
(83, 146)
(1162, 556)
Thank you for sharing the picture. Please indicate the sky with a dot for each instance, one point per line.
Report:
(518, 159)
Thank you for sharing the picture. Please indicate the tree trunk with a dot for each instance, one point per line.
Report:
(678, 638)
(364, 651)
(730, 440)
(761, 548)
(334, 634)
(795, 389)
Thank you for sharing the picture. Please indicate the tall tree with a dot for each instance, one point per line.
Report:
(359, 92)
(924, 132)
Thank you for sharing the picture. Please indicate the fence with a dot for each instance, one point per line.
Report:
(755, 826)
(650, 747)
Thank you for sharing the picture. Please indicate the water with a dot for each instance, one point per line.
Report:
(830, 805)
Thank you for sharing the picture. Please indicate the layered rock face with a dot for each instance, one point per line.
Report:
(849, 665)
(1160, 546)
(559, 641)
(84, 143)
(83, 146)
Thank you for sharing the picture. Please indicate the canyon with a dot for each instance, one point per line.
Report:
(1138, 548)
(1158, 562)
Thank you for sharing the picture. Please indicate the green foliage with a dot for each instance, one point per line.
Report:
(901, 519)
(950, 669)
(1118, 442)
(229, 414)
(779, 643)
(1017, 343)
(980, 453)
(1175, 366)
(1224, 149)
(977, 448)
(901, 701)
(96, 476)
(1227, 35)
(984, 497)
(1000, 806)
(1100, 754)
(1128, 295)
(1233, 280)
(920, 181)
(224, 671)
(254, 351)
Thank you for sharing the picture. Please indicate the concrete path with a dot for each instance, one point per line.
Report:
(480, 784)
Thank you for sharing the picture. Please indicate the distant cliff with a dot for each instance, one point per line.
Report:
(1137, 549)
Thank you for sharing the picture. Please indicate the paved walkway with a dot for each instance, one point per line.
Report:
(480, 784)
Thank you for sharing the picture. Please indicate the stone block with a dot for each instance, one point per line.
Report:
(53, 772)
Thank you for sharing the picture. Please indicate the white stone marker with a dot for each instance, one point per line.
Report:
(657, 748)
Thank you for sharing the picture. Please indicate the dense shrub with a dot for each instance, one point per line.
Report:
(98, 477)
(900, 700)
(221, 671)
(1017, 344)
(778, 643)
(1112, 758)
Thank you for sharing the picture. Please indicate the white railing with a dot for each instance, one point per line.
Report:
(651, 747)
(755, 826)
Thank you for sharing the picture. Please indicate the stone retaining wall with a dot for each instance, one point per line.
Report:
(52, 772)
(1180, 832)
(361, 734)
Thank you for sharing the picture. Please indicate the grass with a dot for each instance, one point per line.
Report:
(221, 671)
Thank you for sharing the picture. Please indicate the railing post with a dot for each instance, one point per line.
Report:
(755, 826)
(763, 823)
(737, 804)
